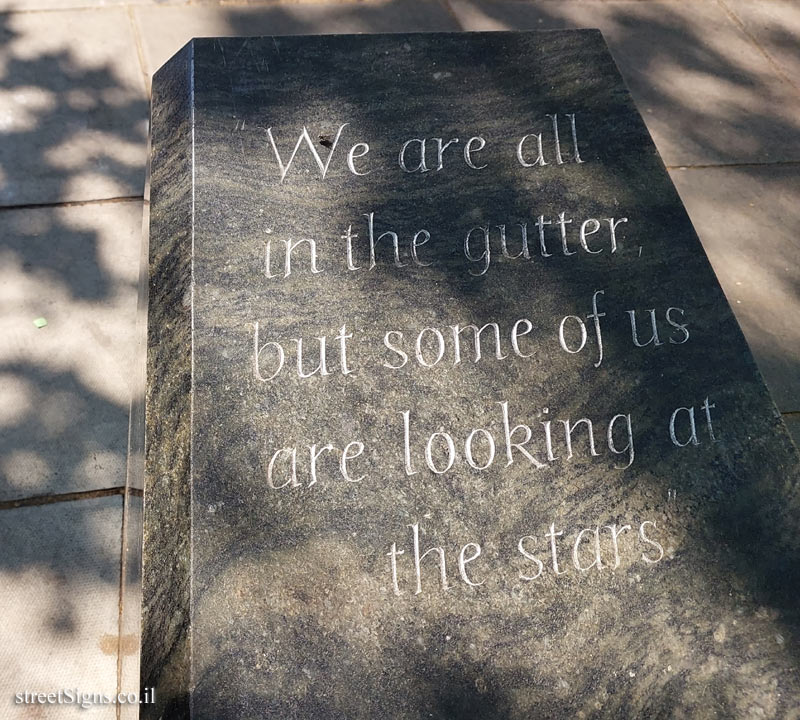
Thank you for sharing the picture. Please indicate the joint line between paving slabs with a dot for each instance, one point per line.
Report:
(63, 497)
(137, 40)
(738, 22)
(706, 166)
(67, 8)
(72, 203)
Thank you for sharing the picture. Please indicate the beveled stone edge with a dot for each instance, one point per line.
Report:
(166, 546)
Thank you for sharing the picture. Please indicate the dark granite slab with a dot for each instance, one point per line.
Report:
(512, 533)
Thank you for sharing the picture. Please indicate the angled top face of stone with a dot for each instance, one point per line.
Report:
(447, 414)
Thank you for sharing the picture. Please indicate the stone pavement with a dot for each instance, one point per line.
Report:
(718, 82)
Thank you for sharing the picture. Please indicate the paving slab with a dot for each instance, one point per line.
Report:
(73, 108)
(164, 30)
(65, 386)
(34, 5)
(775, 26)
(130, 617)
(706, 91)
(747, 219)
(59, 590)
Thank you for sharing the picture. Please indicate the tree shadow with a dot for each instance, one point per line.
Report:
(70, 130)
(705, 91)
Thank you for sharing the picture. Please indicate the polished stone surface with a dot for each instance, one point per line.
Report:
(639, 572)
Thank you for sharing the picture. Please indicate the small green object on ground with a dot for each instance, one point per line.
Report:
(40, 322)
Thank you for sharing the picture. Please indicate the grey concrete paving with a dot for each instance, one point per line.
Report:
(65, 387)
(166, 29)
(59, 590)
(773, 25)
(73, 107)
(29, 5)
(747, 218)
(718, 82)
(130, 602)
(707, 93)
